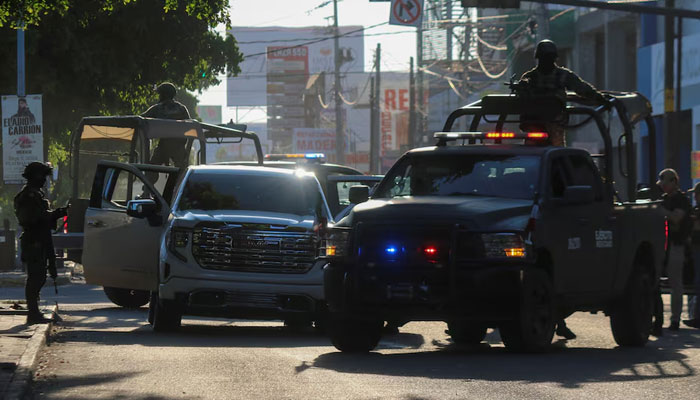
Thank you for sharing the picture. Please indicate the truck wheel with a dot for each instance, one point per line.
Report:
(354, 335)
(127, 298)
(533, 330)
(166, 317)
(464, 332)
(631, 319)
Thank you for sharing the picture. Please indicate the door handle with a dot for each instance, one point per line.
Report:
(95, 223)
(583, 221)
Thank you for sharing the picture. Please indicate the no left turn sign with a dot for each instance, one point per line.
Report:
(406, 12)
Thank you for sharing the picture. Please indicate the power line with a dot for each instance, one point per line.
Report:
(264, 53)
(330, 37)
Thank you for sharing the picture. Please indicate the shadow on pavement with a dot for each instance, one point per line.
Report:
(115, 326)
(54, 386)
(569, 367)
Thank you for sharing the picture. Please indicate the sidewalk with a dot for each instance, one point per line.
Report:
(20, 345)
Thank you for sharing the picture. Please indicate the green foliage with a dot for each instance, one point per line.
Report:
(91, 57)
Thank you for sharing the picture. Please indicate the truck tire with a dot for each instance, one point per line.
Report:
(166, 317)
(127, 298)
(355, 335)
(533, 329)
(465, 332)
(631, 319)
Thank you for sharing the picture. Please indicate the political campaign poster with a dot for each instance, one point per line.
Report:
(22, 135)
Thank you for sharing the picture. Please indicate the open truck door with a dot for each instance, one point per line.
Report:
(123, 225)
(130, 139)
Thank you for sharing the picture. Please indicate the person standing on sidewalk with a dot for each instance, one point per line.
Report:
(694, 320)
(677, 209)
(37, 221)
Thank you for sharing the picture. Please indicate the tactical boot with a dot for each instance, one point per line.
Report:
(693, 323)
(37, 318)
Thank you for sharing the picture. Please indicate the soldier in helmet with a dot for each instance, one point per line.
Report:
(37, 220)
(168, 108)
(549, 79)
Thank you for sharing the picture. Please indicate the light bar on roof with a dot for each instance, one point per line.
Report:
(445, 136)
(457, 135)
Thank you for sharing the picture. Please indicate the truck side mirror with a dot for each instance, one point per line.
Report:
(579, 195)
(359, 194)
(141, 208)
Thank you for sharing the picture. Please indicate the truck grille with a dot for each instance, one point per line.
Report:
(253, 251)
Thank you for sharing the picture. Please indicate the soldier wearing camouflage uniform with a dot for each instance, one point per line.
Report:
(37, 220)
(168, 108)
(548, 79)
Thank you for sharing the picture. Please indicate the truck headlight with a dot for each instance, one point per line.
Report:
(503, 245)
(337, 242)
(178, 239)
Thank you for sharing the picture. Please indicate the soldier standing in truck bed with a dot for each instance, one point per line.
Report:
(168, 108)
(549, 79)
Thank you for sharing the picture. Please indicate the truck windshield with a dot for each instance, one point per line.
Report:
(506, 176)
(287, 194)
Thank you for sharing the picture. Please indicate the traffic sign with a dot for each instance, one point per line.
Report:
(406, 12)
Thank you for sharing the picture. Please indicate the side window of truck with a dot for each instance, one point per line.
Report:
(583, 174)
(121, 187)
(558, 178)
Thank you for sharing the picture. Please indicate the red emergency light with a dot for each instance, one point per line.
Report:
(537, 135)
(500, 135)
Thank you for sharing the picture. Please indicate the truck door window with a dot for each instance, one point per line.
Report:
(584, 174)
(558, 180)
(121, 187)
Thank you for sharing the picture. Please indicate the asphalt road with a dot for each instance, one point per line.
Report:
(101, 351)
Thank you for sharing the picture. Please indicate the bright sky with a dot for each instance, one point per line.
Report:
(398, 42)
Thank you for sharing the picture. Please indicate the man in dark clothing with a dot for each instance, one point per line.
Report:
(677, 209)
(23, 116)
(549, 79)
(37, 220)
(167, 108)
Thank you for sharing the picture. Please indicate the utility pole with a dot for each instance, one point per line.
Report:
(448, 14)
(375, 141)
(373, 128)
(542, 17)
(21, 90)
(411, 108)
(339, 131)
(679, 51)
(419, 83)
(668, 61)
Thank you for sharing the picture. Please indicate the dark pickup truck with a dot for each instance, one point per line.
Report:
(500, 230)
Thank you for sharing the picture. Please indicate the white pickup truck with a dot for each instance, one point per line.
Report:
(239, 242)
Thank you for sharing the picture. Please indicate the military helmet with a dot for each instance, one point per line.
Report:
(546, 48)
(167, 90)
(37, 169)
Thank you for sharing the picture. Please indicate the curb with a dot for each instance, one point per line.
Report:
(22, 378)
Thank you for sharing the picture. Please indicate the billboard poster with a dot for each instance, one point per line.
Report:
(248, 88)
(22, 135)
(210, 114)
(287, 73)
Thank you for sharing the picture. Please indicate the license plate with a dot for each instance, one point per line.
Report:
(400, 291)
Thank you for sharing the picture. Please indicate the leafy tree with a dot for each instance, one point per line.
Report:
(90, 57)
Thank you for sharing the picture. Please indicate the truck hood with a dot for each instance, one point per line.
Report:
(257, 220)
(475, 212)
